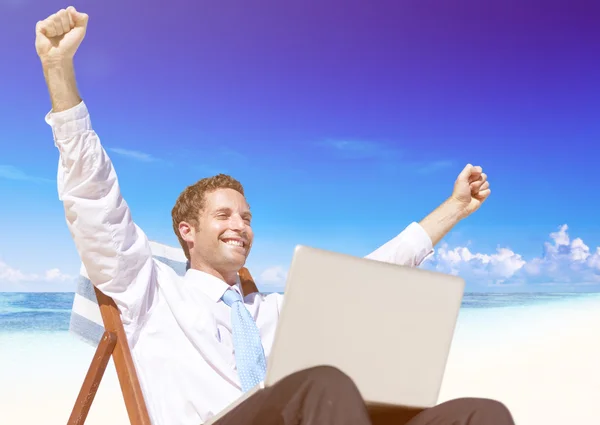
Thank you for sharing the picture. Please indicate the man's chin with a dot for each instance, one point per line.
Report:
(235, 259)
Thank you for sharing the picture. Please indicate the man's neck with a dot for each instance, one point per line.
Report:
(229, 278)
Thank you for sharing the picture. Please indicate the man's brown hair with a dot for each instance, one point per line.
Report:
(191, 201)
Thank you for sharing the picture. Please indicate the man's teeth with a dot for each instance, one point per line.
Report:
(236, 243)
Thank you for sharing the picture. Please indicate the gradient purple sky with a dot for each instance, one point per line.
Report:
(345, 120)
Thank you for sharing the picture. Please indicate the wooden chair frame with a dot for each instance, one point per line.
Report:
(114, 343)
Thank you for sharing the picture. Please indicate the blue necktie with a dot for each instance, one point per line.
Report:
(249, 353)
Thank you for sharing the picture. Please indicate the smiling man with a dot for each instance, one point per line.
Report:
(221, 245)
(197, 342)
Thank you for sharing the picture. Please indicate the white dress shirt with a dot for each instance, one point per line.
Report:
(178, 329)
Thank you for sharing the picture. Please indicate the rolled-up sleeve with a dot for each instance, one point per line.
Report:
(409, 248)
(114, 250)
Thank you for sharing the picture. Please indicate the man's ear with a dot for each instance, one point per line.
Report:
(187, 231)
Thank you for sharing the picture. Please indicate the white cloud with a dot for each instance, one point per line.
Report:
(12, 173)
(388, 156)
(15, 276)
(564, 262)
(55, 275)
(133, 154)
(273, 276)
(10, 274)
(566, 265)
(484, 269)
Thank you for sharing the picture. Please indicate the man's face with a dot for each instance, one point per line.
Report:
(223, 237)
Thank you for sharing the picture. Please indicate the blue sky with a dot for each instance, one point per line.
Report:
(345, 121)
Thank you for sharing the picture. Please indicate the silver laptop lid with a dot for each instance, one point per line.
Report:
(388, 327)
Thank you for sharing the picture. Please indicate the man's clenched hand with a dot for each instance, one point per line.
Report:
(59, 35)
(57, 38)
(471, 189)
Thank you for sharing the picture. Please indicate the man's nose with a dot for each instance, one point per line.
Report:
(236, 222)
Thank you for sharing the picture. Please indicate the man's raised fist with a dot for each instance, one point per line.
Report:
(59, 35)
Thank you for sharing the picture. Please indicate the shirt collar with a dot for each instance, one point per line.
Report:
(211, 286)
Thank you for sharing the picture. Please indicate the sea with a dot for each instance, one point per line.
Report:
(36, 312)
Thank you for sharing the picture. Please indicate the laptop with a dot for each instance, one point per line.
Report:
(388, 327)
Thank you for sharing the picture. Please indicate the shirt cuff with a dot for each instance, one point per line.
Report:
(422, 242)
(69, 123)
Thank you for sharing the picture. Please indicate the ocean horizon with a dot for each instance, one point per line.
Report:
(51, 311)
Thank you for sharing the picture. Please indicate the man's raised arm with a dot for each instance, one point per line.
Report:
(114, 251)
(416, 242)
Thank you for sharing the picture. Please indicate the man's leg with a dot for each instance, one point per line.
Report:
(465, 411)
(317, 396)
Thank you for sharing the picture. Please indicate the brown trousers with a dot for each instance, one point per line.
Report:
(325, 396)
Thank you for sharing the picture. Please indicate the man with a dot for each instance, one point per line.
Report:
(197, 345)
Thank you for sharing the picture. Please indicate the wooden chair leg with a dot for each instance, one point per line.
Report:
(92, 379)
(124, 366)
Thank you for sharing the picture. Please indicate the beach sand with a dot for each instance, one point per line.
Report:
(542, 361)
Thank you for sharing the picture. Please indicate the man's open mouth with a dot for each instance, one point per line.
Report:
(234, 242)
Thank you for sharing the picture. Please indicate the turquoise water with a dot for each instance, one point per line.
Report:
(50, 312)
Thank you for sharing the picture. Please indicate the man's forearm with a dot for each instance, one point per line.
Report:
(442, 220)
(62, 86)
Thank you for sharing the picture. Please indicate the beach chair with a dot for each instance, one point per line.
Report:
(95, 318)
